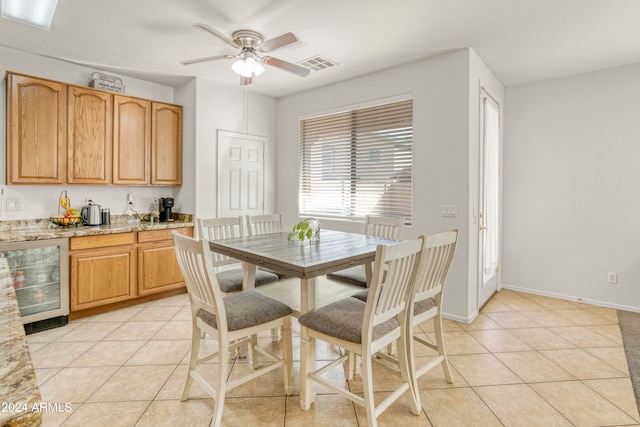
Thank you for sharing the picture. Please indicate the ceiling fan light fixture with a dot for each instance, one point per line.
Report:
(247, 66)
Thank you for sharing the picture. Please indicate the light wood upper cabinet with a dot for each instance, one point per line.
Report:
(66, 134)
(89, 138)
(131, 140)
(36, 122)
(166, 144)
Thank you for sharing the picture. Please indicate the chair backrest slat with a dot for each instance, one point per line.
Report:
(437, 258)
(199, 276)
(220, 228)
(392, 289)
(384, 227)
(264, 224)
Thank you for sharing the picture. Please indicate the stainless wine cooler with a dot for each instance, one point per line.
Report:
(40, 272)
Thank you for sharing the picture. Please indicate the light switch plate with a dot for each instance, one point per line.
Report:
(449, 211)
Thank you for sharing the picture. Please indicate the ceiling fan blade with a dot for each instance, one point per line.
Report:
(208, 58)
(245, 81)
(216, 33)
(277, 42)
(287, 66)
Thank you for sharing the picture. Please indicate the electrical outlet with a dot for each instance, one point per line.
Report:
(612, 278)
(14, 204)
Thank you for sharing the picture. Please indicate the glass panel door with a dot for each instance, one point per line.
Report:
(39, 270)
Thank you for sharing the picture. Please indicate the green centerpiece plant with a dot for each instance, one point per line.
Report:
(308, 228)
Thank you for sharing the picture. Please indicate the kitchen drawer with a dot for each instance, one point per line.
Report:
(101, 241)
(166, 234)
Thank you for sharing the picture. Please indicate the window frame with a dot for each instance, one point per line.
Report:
(392, 147)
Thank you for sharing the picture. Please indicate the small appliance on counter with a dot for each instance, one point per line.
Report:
(91, 214)
(166, 203)
(105, 216)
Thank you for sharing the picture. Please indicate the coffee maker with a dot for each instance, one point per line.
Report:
(166, 203)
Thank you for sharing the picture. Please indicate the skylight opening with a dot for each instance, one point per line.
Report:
(38, 13)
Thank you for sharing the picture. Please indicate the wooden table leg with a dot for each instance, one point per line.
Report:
(307, 295)
(368, 271)
(249, 276)
(248, 283)
(307, 344)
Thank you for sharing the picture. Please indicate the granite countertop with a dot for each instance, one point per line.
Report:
(41, 229)
(19, 392)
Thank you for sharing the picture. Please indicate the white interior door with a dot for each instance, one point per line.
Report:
(489, 215)
(240, 174)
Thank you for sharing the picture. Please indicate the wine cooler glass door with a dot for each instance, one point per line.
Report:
(40, 273)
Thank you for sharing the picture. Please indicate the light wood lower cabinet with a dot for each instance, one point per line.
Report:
(102, 276)
(102, 269)
(158, 269)
(113, 268)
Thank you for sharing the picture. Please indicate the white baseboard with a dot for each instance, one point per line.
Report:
(461, 319)
(571, 298)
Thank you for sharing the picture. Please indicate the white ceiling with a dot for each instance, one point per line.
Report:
(520, 40)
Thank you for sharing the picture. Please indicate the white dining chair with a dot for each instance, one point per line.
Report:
(264, 224)
(229, 271)
(434, 267)
(365, 328)
(378, 226)
(232, 320)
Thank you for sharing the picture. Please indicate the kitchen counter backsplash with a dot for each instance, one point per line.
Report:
(43, 228)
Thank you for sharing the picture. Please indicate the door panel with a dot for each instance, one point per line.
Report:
(489, 234)
(240, 174)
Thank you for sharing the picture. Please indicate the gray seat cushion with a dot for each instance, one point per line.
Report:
(418, 308)
(277, 273)
(355, 275)
(343, 319)
(231, 280)
(424, 305)
(246, 309)
(361, 295)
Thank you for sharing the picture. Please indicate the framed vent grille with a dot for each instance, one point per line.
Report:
(317, 63)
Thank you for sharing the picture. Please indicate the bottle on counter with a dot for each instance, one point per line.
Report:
(37, 295)
(18, 281)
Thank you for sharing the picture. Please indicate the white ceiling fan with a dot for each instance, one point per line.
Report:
(248, 61)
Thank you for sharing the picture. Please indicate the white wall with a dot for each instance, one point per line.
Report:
(42, 201)
(572, 187)
(232, 109)
(184, 196)
(440, 88)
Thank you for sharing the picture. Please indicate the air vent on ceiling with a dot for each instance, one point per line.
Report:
(317, 63)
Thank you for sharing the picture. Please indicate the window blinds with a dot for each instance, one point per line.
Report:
(358, 162)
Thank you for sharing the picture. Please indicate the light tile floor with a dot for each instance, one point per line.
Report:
(525, 361)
